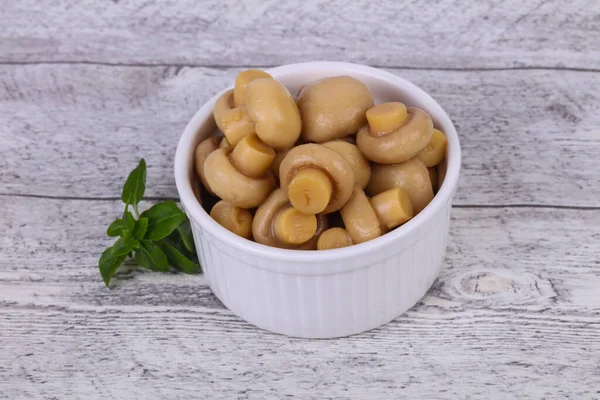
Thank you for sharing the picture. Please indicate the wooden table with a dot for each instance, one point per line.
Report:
(88, 87)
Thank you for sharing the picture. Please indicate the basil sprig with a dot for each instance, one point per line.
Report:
(157, 239)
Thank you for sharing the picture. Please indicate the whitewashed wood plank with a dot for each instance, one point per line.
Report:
(447, 34)
(181, 355)
(499, 259)
(77, 130)
(515, 313)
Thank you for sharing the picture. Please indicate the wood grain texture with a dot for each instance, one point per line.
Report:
(87, 87)
(389, 33)
(527, 138)
(515, 313)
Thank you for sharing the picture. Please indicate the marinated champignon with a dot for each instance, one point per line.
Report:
(316, 178)
(274, 112)
(360, 219)
(242, 80)
(435, 151)
(360, 165)
(407, 133)
(334, 238)
(333, 107)
(234, 122)
(202, 151)
(235, 219)
(411, 175)
(278, 224)
(240, 175)
(367, 219)
(393, 208)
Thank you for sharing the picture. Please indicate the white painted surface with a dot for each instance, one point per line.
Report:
(516, 310)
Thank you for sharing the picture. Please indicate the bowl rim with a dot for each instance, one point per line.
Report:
(183, 158)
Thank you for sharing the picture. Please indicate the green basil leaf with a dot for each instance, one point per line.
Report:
(123, 246)
(134, 187)
(128, 221)
(140, 228)
(115, 228)
(185, 231)
(178, 260)
(108, 264)
(150, 256)
(163, 218)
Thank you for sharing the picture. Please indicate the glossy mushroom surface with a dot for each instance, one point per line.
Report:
(316, 178)
(400, 144)
(276, 223)
(360, 165)
(274, 112)
(234, 122)
(411, 175)
(332, 108)
(235, 219)
(232, 185)
(203, 149)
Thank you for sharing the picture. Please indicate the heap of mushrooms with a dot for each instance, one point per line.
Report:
(295, 174)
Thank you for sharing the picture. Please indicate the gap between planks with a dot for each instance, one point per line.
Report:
(226, 66)
(163, 198)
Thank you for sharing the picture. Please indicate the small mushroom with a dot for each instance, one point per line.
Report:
(234, 122)
(332, 108)
(274, 112)
(240, 175)
(435, 151)
(360, 165)
(316, 178)
(359, 217)
(411, 175)
(242, 80)
(235, 219)
(392, 207)
(367, 219)
(202, 151)
(407, 133)
(278, 224)
(334, 238)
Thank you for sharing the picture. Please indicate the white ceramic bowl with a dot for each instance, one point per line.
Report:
(332, 293)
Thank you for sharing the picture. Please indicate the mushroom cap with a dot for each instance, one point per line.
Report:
(360, 165)
(274, 112)
(400, 144)
(262, 225)
(233, 186)
(411, 175)
(333, 107)
(241, 82)
(203, 149)
(359, 217)
(235, 219)
(330, 162)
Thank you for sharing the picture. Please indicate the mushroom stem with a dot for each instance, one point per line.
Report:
(235, 219)
(386, 117)
(310, 190)
(294, 227)
(252, 156)
(334, 238)
(392, 207)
